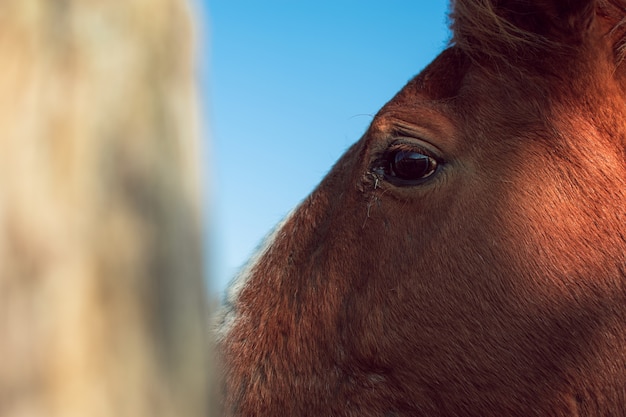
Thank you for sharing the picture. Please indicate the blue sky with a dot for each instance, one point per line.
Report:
(287, 87)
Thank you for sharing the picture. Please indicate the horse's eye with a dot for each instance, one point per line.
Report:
(406, 165)
(410, 166)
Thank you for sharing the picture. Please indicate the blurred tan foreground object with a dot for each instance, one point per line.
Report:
(101, 294)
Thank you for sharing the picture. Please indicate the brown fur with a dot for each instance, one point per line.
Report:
(517, 31)
(496, 288)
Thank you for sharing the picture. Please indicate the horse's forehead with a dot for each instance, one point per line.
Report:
(453, 79)
(474, 98)
(428, 99)
(441, 80)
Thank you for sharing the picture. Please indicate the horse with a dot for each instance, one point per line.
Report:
(467, 256)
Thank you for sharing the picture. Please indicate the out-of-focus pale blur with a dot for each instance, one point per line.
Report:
(101, 292)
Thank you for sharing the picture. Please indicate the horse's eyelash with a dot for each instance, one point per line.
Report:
(409, 147)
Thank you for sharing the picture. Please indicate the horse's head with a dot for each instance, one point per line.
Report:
(468, 255)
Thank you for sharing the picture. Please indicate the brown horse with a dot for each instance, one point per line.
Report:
(467, 257)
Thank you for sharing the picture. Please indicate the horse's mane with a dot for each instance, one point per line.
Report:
(496, 33)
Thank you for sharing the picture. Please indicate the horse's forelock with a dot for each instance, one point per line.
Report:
(481, 29)
(514, 31)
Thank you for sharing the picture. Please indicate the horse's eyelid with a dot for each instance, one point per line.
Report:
(400, 145)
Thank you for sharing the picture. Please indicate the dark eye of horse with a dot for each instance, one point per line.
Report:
(411, 165)
(406, 165)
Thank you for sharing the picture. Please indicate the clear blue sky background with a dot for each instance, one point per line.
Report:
(287, 87)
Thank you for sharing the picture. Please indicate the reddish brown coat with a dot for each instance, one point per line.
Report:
(496, 286)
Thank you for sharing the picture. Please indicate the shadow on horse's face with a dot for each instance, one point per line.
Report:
(467, 255)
